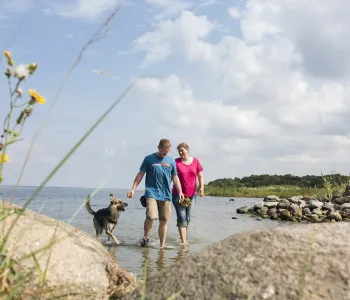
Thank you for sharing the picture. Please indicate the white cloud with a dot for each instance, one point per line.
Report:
(282, 90)
(167, 8)
(170, 37)
(235, 13)
(83, 9)
(178, 100)
(319, 31)
(269, 96)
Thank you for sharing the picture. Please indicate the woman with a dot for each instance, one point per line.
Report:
(189, 169)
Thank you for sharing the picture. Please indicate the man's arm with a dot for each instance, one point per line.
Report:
(177, 184)
(137, 181)
(201, 183)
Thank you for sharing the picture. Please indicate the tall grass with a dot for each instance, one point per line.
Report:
(332, 184)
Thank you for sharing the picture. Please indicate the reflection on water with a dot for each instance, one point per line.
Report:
(211, 221)
(181, 253)
(161, 260)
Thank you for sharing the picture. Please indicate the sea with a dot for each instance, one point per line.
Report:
(213, 219)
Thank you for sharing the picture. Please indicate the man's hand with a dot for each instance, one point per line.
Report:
(131, 193)
(137, 180)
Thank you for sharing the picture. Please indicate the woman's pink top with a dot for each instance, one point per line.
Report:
(188, 176)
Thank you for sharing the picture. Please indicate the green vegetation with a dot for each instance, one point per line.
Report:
(259, 186)
(259, 192)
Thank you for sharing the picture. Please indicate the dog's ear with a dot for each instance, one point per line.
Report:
(112, 197)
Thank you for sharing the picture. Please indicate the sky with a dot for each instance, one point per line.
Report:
(253, 87)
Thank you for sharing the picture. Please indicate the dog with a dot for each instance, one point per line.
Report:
(106, 218)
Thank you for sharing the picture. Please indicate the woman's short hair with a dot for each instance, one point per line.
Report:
(183, 145)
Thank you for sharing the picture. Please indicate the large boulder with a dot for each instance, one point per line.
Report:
(77, 265)
(295, 262)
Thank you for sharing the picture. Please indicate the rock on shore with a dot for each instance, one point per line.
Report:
(301, 209)
(79, 267)
(295, 262)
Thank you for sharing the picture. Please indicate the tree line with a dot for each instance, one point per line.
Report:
(287, 179)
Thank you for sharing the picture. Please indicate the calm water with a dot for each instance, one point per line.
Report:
(212, 221)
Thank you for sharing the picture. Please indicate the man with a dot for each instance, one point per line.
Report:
(160, 170)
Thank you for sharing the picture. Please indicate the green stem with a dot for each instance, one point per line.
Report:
(22, 124)
(20, 105)
(8, 126)
(14, 91)
(16, 138)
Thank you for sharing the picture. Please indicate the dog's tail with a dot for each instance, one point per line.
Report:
(88, 207)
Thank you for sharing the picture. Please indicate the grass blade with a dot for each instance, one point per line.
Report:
(174, 296)
(144, 284)
(38, 269)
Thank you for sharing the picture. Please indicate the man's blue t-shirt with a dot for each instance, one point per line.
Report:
(159, 171)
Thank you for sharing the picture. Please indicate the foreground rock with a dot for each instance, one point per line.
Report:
(300, 262)
(301, 209)
(79, 267)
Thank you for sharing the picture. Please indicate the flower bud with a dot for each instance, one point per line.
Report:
(7, 54)
(16, 134)
(28, 111)
(8, 73)
(19, 92)
(32, 67)
(10, 61)
(20, 118)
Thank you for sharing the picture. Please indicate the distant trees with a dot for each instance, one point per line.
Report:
(268, 180)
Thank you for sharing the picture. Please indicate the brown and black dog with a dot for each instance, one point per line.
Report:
(106, 218)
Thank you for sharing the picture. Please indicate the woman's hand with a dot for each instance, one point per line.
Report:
(201, 191)
(181, 197)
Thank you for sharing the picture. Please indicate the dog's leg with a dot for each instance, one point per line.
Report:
(113, 237)
(98, 229)
(110, 234)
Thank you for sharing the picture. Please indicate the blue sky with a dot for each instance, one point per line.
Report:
(253, 87)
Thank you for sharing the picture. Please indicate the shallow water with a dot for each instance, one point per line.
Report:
(211, 221)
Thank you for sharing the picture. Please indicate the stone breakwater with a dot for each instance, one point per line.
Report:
(301, 209)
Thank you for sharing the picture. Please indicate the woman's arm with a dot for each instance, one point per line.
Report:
(201, 183)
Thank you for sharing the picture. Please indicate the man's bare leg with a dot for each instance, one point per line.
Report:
(147, 227)
(162, 231)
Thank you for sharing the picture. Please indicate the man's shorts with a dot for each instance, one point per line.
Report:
(158, 209)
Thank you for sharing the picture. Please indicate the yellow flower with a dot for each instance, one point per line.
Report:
(7, 54)
(35, 95)
(4, 158)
